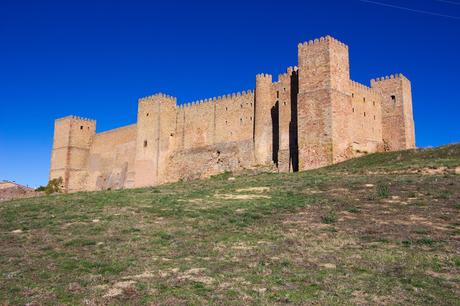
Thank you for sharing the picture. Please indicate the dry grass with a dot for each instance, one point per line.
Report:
(317, 237)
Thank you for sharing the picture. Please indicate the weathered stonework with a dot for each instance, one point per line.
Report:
(314, 115)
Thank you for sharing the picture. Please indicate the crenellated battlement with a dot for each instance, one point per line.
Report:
(389, 77)
(322, 40)
(77, 118)
(160, 96)
(289, 72)
(216, 99)
(359, 86)
(264, 76)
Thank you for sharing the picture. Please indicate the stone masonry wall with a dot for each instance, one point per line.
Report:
(111, 159)
(313, 115)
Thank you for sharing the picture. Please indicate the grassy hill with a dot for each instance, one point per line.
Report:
(382, 229)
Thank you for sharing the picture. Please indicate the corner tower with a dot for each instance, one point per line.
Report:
(72, 140)
(397, 120)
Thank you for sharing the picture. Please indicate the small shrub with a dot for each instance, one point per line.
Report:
(329, 218)
(426, 241)
(53, 186)
(353, 210)
(407, 243)
(383, 190)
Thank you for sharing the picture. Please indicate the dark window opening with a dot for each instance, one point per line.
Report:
(393, 98)
(226, 108)
(241, 105)
(277, 94)
(374, 117)
(81, 127)
(241, 120)
(352, 95)
(284, 102)
(373, 103)
(364, 99)
(364, 114)
(353, 109)
(147, 114)
(145, 143)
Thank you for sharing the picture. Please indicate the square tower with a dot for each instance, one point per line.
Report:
(73, 137)
(323, 103)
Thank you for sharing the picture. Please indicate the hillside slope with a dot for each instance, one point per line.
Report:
(382, 229)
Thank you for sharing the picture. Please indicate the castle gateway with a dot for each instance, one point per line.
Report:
(312, 116)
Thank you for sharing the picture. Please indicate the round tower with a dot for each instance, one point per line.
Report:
(263, 130)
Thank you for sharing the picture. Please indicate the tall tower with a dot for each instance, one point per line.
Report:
(397, 119)
(156, 120)
(72, 139)
(263, 130)
(324, 102)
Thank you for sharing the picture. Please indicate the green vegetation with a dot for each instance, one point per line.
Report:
(53, 186)
(383, 190)
(330, 217)
(373, 230)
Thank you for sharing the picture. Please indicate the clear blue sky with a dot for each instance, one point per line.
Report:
(96, 58)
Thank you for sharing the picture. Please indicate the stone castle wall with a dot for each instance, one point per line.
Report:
(311, 116)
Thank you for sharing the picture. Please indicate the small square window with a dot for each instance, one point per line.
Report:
(81, 127)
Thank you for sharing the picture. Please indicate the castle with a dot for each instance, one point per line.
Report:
(314, 115)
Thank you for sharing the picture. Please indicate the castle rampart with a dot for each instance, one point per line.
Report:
(313, 115)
